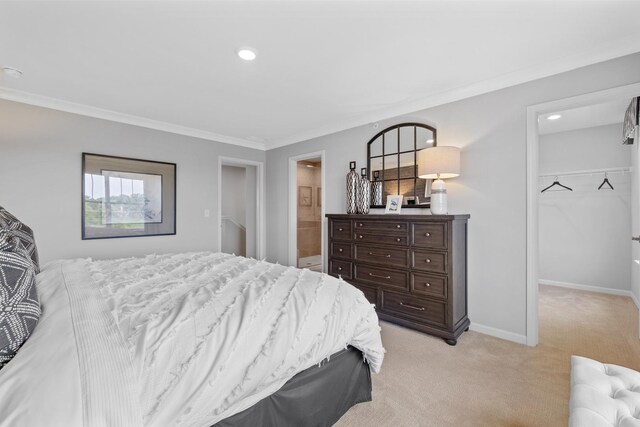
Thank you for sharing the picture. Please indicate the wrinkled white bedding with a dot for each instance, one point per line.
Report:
(182, 339)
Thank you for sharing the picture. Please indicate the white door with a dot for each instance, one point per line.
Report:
(635, 214)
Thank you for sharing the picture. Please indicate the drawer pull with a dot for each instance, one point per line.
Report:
(380, 277)
(381, 255)
(413, 307)
(360, 225)
(428, 260)
(428, 285)
(339, 268)
(360, 236)
(340, 250)
(427, 234)
(398, 239)
(340, 229)
(398, 226)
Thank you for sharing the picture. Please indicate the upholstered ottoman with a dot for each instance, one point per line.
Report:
(603, 395)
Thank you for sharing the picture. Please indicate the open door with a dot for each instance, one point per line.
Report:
(635, 218)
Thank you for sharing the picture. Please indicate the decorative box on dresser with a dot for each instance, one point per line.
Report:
(413, 267)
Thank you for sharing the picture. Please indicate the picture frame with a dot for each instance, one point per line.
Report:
(305, 196)
(319, 197)
(127, 197)
(394, 204)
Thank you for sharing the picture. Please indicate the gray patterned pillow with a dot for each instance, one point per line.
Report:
(19, 305)
(23, 233)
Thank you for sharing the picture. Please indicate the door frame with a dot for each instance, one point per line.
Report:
(533, 145)
(293, 206)
(261, 241)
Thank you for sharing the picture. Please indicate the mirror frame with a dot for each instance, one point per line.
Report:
(398, 153)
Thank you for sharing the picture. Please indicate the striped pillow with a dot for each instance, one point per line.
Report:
(23, 233)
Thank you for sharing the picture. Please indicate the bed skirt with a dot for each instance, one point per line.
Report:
(317, 396)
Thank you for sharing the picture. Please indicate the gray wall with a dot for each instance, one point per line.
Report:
(40, 179)
(491, 130)
(584, 233)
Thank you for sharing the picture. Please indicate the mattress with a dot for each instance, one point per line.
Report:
(183, 339)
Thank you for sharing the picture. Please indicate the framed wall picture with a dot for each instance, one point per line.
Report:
(123, 197)
(319, 197)
(305, 196)
(394, 204)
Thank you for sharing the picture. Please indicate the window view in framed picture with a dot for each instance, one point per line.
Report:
(124, 197)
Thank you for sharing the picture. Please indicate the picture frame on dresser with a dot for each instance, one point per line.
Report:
(412, 267)
(394, 204)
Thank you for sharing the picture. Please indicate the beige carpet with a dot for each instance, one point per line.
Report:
(485, 381)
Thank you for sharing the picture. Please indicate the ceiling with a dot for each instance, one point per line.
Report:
(322, 66)
(606, 113)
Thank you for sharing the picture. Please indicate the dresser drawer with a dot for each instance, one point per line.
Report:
(373, 225)
(341, 250)
(384, 256)
(371, 294)
(341, 230)
(340, 268)
(429, 284)
(419, 309)
(431, 235)
(429, 261)
(382, 276)
(382, 238)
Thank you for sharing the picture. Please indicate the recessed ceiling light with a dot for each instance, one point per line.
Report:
(247, 54)
(12, 72)
(554, 117)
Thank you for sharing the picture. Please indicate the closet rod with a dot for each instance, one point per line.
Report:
(588, 172)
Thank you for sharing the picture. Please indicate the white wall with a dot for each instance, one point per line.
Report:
(491, 130)
(584, 234)
(40, 179)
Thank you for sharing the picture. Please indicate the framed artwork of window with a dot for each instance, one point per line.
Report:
(123, 197)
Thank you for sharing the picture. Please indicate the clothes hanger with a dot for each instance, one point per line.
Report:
(555, 182)
(606, 181)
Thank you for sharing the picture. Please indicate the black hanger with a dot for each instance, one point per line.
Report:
(606, 181)
(558, 184)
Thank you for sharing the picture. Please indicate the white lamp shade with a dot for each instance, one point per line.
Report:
(442, 162)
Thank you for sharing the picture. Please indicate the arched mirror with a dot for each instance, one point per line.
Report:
(391, 162)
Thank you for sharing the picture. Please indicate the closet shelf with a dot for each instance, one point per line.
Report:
(588, 172)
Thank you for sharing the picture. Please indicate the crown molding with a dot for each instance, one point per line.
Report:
(603, 53)
(114, 116)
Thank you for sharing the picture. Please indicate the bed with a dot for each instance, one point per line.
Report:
(191, 339)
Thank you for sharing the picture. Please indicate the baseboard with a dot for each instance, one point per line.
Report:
(635, 300)
(498, 333)
(588, 288)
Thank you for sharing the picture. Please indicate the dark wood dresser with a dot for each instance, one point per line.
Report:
(413, 267)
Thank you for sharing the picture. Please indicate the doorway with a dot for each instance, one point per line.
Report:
(584, 176)
(240, 207)
(306, 211)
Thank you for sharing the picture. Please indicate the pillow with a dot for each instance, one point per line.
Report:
(23, 233)
(19, 305)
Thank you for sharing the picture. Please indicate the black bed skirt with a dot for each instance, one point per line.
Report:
(317, 396)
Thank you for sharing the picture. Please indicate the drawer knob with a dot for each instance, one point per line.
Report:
(380, 277)
(398, 239)
(398, 226)
(360, 225)
(427, 234)
(428, 285)
(340, 229)
(382, 255)
(360, 236)
(413, 307)
(428, 260)
(340, 250)
(339, 268)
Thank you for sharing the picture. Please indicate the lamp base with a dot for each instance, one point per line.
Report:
(438, 197)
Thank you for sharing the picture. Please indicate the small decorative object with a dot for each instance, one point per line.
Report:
(305, 196)
(125, 197)
(439, 162)
(376, 190)
(411, 200)
(352, 188)
(363, 196)
(394, 205)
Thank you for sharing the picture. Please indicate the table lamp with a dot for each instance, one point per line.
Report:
(439, 163)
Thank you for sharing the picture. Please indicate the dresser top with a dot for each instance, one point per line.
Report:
(396, 217)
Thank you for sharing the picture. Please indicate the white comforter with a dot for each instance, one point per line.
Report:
(183, 339)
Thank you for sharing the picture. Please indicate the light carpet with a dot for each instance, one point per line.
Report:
(486, 381)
